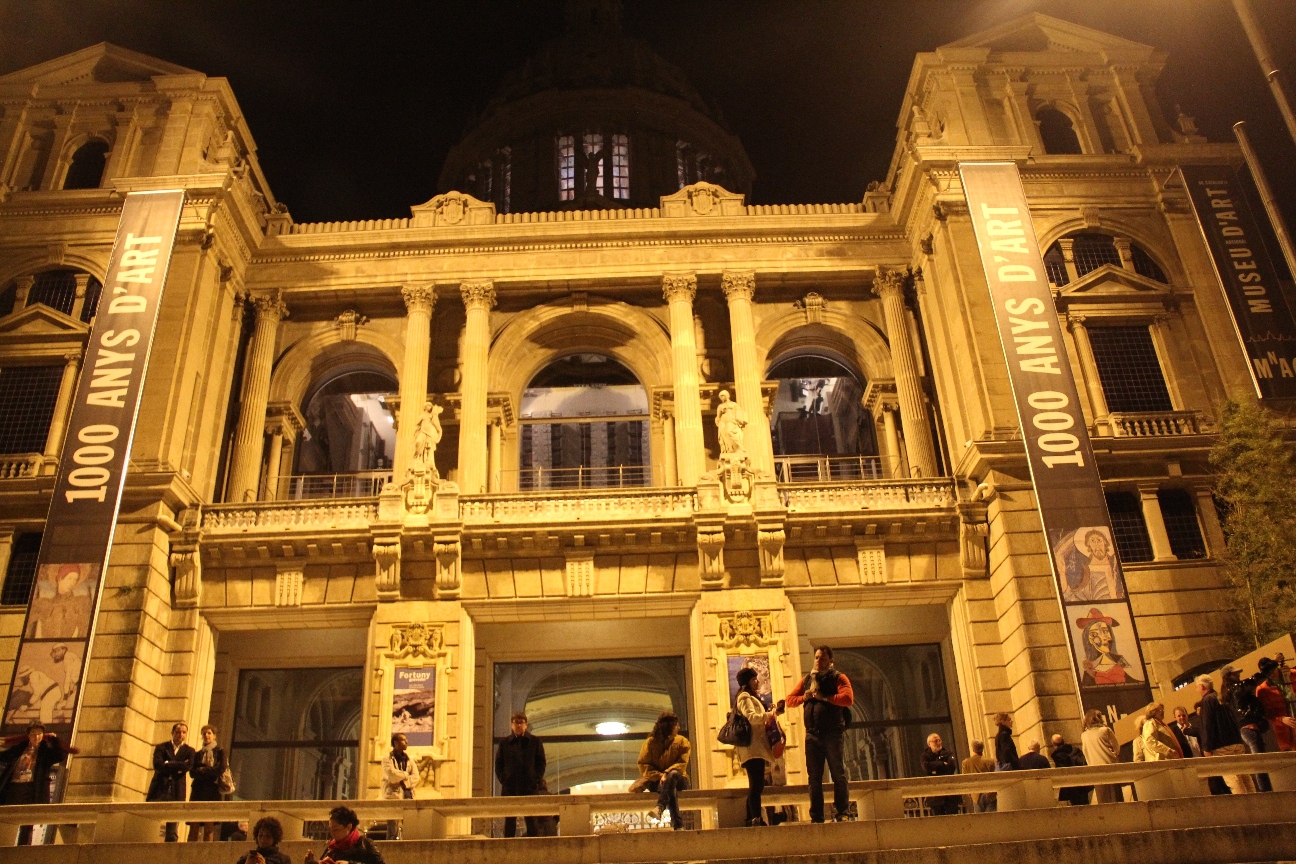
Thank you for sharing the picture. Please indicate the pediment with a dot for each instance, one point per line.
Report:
(452, 209)
(1110, 282)
(102, 63)
(702, 199)
(1037, 32)
(41, 321)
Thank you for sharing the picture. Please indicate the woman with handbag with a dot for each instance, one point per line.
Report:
(759, 752)
(209, 766)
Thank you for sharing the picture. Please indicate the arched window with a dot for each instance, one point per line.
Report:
(1091, 250)
(819, 428)
(584, 424)
(1058, 134)
(87, 168)
(57, 290)
(350, 437)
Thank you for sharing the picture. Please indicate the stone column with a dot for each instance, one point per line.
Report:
(419, 300)
(671, 470)
(679, 290)
(738, 289)
(62, 406)
(913, 407)
(78, 304)
(495, 476)
(1208, 516)
(272, 462)
(1125, 249)
(1067, 245)
(1088, 366)
(478, 300)
(1155, 524)
(894, 462)
(249, 437)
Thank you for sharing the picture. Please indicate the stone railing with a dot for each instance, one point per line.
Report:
(868, 495)
(1155, 424)
(15, 466)
(1172, 796)
(288, 516)
(584, 505)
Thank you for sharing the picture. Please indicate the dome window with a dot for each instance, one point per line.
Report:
(566, 168)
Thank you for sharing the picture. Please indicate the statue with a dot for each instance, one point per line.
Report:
(427, 435)
(730, 420)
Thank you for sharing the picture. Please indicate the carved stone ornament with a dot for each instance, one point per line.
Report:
(813, 304)
(889, 282)
(448, 552)
(769, 542)
(348, 323)
(711, 541)
(187, 561)
(702, 199)
(452, 209)
(679, 286)
(746, 630)
(738, 285)
(416, 640)
(478, 295)
(419, 298)
(387, 555)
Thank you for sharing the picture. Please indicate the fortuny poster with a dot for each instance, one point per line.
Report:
(414, 704)
(1260, 313)
(60, 621)
(1091, 584)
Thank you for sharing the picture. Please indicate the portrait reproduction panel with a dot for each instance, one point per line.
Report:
(1090, 571)
(45, 687)
(1106, 653)
(62, 603)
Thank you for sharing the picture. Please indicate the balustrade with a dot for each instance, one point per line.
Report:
(1155, 424)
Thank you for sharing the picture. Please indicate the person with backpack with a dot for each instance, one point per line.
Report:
(1274, 704)
(757, 754)
(1240, 695)
(1220, 735)
(827, 697)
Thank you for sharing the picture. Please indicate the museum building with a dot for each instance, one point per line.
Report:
(587, 432)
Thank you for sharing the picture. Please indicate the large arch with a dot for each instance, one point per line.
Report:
(94, 263)
(318, 356)
(1160, 248)
(853, 341)
(543, 334)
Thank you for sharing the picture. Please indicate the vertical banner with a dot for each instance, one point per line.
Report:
(53, 649)
(1261, 316)
(1091, 587)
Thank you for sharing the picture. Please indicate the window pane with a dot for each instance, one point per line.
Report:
(1145, 266)
(1129, 369)
(1093, 251)
(28, 394)
(620, 167)
(593, 149)
(1181, 523)
(566, 167)
(55, 288)
(1128, 528)
(21, 574)
(296, 733)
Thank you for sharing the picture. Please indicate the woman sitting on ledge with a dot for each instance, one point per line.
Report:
(663, 766)
(348, 844)
(267, 834)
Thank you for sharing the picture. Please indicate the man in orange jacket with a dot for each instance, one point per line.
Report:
(827, 697)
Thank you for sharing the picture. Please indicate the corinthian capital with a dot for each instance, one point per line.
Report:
(268, 307)
(418, 298)
(889, 283)
(478, 295)
(738, 284)
(679, 286)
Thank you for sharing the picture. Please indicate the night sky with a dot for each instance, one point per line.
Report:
(354, 105)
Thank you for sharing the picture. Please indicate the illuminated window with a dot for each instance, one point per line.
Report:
(593, 147)
(566, 167)
(620, 167)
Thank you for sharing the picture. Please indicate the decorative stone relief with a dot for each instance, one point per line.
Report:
(580, 573)
(813, 306)
(769, 541)
(387, 555)
(711, 541)
(745, 630)
(288, 587)
(348, 322)
(187, 561)
(702, 199)
(452, 209)
(416, 640)
(733, 468)
(870, 555)
(974, 533)
(423, 479)
(877, 199)
(448, 552)
(679, 286)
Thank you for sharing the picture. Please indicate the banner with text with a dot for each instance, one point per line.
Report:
(1091, 586)
(1261, 316)
(46, 685)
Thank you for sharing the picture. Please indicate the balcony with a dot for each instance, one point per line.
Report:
(868, 495)
(19, 466)
(365, 484)
(1155, 424)
(603, 477)
(824, 469)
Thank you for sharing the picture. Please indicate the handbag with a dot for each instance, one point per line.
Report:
(774, 737)
(226, 783)
(736, 731)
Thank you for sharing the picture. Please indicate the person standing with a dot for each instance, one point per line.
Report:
(172, 762)
(1220, 735)
(827, 696)
(1274, 704)
(977, 763)
(1186, 732)
(399, 778)
(1099, 745)
(1033, 760)
(936, 761)
(1240, 696)
(208, 766)
(1066, 756)
(520, 768)
(663, 766)
(26, 771)
(1005, 748)
(756, 756)
(1159, 742)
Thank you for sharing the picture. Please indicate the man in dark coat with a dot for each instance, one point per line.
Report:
(938, 762)
(1066, 756)
(25, 775)
(1033, 760)
(520, 769)
(1220, 735)
(172, 762)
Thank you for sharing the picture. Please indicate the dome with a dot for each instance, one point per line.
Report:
(595, 119)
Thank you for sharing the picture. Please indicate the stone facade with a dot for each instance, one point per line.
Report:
(214, 572)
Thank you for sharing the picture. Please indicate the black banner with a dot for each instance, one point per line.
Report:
(56, 633)
(1260, 312)
(1096, 611)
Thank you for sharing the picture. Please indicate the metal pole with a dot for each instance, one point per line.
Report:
(1270, 69)
(1267, 196)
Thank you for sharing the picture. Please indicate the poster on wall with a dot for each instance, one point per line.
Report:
(1261, 317)
(414, 705)
(1090, 582)
(764, 688)
(77, 540)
